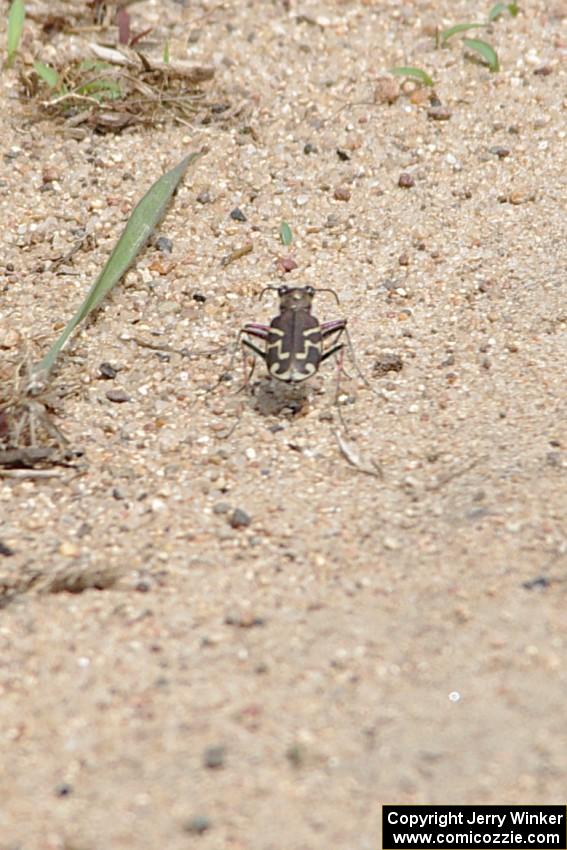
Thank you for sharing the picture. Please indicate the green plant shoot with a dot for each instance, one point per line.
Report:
(445, 35)
(486, 50)
(16, 17)
(501, 9)
(414, 73)
(138, 230)
(285, 233)
(48, 74)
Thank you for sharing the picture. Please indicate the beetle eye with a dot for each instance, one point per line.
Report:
(309, 290)
(283, 290)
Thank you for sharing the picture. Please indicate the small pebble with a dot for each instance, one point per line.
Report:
(543, 71)
(5, 551)
(553, 459)
(500, 152)
(238, 215)
(117, 396)
(69, 549)
(199, 298)
(342, 155)
(296, 755)
(418, 96)
(404, 260)
(63, 790)
(439, 113)
(164, 245)
(539, 583)
(49, 174)
(107, 371)
(197, 824)
(221, 508)
(214, 757)
(519, 197)
(341, 193)
(239, 519)
(243, 620)
(387, 363)
(406, 181)
(204, 198)
(286, 264)
(9, 337)
(387, 90)
(309, 148)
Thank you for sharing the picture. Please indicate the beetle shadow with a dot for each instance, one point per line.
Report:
(274, 398)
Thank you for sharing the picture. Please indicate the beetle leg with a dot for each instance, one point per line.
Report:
(260, 331)
(337, 326)
(332, 351)
(328, 329)
(254, 348)
(254, 329)
(248, 374)
(359, 371)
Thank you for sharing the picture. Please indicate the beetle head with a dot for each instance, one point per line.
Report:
(297, 297)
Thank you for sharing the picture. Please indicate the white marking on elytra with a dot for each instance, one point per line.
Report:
(281, 355)
(293, 374)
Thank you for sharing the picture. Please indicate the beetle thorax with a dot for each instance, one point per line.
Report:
(296, 298)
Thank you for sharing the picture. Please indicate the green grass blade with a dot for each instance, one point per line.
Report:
(94, 65)
(285, 233)
(16, 17)
(101, 89)
(501, 8)
(486, 50)
(165, 57)
(445, 35)
(139, 228)
(48, 74)
(414, 73)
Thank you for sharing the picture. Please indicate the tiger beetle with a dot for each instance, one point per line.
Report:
(294, 340)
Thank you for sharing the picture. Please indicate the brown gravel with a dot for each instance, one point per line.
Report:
(402, 637)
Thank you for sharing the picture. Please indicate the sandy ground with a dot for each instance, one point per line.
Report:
(364, 639)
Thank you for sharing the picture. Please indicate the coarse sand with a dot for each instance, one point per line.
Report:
(267, 679)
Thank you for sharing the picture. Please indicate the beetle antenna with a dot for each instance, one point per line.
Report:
(324, 289)
(266, 289)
